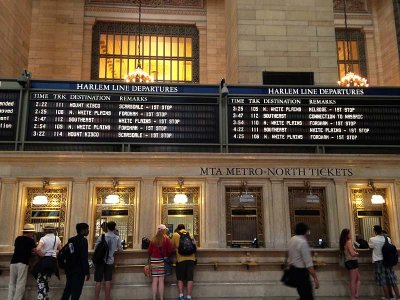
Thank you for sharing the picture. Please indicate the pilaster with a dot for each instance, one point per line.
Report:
(8, 206)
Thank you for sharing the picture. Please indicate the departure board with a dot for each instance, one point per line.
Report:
(9, 105)
(346, 121)
(98, 117)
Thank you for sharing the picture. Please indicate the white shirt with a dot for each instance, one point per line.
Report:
(376, 244)
(299, 252)
(49, 247)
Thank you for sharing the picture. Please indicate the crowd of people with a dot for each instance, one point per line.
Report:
(160, 250)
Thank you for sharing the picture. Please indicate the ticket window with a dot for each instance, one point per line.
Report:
(244, 224)
(120, 210)
(308, 205)
(181, 212)
(366, 214)
(50, 210)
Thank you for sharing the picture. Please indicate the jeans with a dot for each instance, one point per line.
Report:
(74, 286)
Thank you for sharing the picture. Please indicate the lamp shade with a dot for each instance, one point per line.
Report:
(377, 199)
(112, 199)
(180, 199)
(40, 200)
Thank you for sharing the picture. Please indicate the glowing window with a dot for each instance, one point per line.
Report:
(169, 52)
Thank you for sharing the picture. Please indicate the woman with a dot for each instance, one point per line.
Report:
(160, 247)
(350, 262)
(48, 247)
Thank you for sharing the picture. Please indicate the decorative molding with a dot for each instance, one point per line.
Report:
(135, 11)
(352, 5)
(160, 3)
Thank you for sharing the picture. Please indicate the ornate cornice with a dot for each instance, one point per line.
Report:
(135, 10)
(351, 5)
(153, 3)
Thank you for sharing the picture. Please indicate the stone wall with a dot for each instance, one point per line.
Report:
(57, 39)
(15, 30)
(286, 35)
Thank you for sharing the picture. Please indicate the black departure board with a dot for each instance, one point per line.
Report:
(97, 117)
(9, 105)
(339, 121)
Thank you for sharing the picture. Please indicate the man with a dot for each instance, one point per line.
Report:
(385, 277)
(24, 246)
(78, 270)
(104, 271)
(299, 258)
(184, 265)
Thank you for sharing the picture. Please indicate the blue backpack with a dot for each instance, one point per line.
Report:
(389, 253)
(186, 244)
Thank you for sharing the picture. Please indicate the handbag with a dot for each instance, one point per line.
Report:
(288, 278)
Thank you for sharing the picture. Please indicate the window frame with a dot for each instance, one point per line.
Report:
(152, 30)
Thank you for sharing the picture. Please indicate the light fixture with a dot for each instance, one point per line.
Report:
(139, 75)
(223, 88)
(113, 198)
(245, 197)
(350, 79)
(375, 198)
(41, 199)
(310, 198)
(180, 197)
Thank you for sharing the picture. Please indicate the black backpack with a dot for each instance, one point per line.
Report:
(186, 244)
(67, 256)
(101, 251)
(389, 253)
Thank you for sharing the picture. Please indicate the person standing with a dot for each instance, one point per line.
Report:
(350, 262)
(24, 246)
(48, 247)
(160, 247)
(78, 269)
(104, 271)
(299, 258)
(184, 265)
(385, 277)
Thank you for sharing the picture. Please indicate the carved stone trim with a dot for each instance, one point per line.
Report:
(162, 3)
(351, 5)
(135, 11)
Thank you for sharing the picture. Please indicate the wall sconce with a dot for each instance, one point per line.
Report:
(42, 198)
(180, 198)
(310, 198)
(376, 198)
(113, 198)
(245, 197)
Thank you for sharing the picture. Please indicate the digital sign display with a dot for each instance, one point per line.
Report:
(327, 121)
(98, 117)
(9, 105)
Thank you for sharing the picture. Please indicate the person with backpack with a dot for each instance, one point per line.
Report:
(385, 277)
(185, 260)
(76, 263)
(159, 250)
(103, 269)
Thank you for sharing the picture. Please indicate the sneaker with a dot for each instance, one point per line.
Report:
(181, 298)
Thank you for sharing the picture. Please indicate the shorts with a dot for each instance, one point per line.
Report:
(103, 271)
(351, 264)
(184, 270)
(384, 276)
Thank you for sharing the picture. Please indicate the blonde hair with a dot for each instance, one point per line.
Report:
(159, 237)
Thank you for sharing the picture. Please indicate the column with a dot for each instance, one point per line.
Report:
(148, 210)
(8, 207)
(280, 225)
(79, 206)
(344, 212)
(212, 207)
